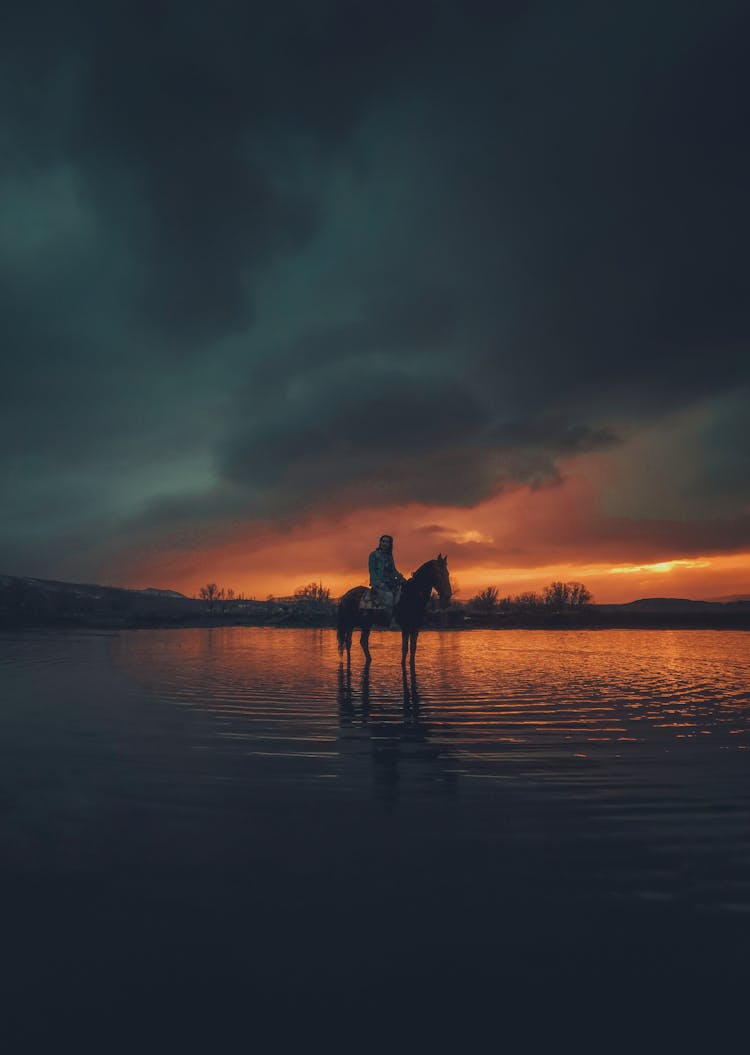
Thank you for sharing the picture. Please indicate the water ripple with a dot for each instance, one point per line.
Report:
(635, 740)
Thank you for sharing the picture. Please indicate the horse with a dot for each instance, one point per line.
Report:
(409, 611)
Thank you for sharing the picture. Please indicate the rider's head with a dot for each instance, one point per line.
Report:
(386, 542)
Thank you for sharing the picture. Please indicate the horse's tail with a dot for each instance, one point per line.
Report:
(347, 617)
(341, 628)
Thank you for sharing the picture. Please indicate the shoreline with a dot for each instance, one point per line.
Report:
(47, 604)
(453, 622)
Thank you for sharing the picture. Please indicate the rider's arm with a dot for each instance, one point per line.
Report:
(375, 565)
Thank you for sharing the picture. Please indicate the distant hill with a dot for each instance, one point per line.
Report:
(28, 600)
(681, 604)
(162, 593)
(84, 589)
(669, 604)
(49, 602)
(737, 598)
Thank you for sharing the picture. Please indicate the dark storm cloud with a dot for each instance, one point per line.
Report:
(629, 232)
(381, 402)
(174, 104)
(416, 327)
(384, 252)
(362, 420)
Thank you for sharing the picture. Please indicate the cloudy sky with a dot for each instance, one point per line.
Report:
(275, 279)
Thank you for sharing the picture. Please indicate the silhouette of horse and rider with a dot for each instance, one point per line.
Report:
(391, 599)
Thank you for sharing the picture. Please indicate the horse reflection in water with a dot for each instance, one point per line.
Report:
(398, 739)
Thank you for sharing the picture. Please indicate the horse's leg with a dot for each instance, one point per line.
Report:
(346, 620)
(413, 642)
(404, 646)
(364, 639)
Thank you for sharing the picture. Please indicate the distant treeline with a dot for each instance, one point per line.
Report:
(38, 602)
(557, 597)
(41, 602)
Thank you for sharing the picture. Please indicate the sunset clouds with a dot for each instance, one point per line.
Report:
(274, 282)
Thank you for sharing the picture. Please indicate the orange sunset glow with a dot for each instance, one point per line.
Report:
(520, 540)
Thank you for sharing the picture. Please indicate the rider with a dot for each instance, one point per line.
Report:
(385, 579)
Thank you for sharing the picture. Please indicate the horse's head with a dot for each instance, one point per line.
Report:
(442, 580)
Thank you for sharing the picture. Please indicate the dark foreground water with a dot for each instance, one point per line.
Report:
(214, 837)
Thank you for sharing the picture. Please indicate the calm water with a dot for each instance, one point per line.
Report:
(534, 803)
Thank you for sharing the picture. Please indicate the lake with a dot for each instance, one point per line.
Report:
(204, 825)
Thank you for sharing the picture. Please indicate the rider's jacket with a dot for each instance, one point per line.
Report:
(382, 570)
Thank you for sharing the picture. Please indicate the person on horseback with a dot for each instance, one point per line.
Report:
(385, 579)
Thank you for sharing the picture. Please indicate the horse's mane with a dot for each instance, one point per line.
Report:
(422, 569)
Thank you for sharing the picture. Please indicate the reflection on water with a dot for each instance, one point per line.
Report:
(399, 742)
(631, 742)
(493, 700)
(634, 743)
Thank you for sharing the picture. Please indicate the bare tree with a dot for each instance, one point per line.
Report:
(210, 593)
(580, 594)
(313, 591)
(557, 595)
(529, 600)
(560, 595)
(486, 600)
